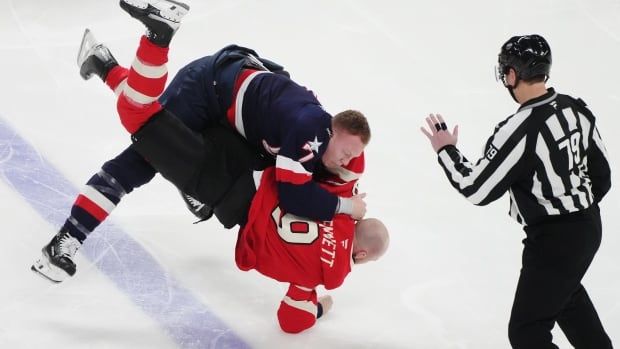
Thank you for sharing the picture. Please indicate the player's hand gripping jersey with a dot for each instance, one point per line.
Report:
(293, 249)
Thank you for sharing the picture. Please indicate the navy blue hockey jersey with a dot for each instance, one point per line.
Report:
(286, 120)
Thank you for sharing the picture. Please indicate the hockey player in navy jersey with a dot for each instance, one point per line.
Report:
(280, 122)
(551, 159)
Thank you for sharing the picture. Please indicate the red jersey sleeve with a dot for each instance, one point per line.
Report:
(298, 309)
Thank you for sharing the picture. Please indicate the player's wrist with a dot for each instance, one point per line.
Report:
(445, 147)
(345, 206)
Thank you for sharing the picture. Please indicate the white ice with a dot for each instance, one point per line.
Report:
(448, 279)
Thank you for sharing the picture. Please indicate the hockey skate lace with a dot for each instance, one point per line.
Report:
(68, 246)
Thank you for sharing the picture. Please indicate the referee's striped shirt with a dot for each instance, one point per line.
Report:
(549, 156)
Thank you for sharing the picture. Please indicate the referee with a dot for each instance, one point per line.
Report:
(550, 158)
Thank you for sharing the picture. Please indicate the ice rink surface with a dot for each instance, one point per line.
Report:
(148, 278)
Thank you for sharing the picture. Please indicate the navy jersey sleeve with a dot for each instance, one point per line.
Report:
(303, 144)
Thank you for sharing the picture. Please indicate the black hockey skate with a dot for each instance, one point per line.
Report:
(162, 18)
(200, 210)
(57, 264)
(94, 58)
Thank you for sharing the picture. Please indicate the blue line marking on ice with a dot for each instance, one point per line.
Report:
(185, 319)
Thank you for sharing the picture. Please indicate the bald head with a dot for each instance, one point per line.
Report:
(371, 240)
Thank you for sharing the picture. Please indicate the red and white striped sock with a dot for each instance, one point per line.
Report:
(94, 203)
(145, 82)
(117, 79)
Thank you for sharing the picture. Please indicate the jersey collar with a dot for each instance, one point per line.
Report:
(544, 99)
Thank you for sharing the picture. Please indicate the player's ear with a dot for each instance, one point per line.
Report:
(360, 256)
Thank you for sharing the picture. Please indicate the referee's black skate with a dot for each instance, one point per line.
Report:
(162, 18)
(94, 58)
(56, 263)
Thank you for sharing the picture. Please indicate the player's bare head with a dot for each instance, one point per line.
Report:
(371, 240)
(350, 135)
(352, 122)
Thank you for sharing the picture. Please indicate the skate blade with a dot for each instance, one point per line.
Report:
(88, 42)
(48, 271)
(139, 4)
(176, 12)
(180, 4)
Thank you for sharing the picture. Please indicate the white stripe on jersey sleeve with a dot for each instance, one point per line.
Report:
(500, 173)
(585, 198)
(599, 143)
(585, 129)
(506, 131)
(301, 305)
(307, 289)
(500, 138)
(239, 101)
(456, 176)
(289, 164)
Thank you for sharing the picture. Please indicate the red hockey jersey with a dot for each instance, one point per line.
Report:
(293, 249)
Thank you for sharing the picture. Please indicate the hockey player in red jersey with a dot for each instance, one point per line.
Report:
(307, 253)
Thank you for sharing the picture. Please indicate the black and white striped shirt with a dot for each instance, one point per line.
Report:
(549, 156)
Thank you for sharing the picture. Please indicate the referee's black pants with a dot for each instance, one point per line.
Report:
(556, 255)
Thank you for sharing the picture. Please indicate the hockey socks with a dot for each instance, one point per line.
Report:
(146, 80)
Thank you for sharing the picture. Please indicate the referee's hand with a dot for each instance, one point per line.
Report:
(438, 132)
